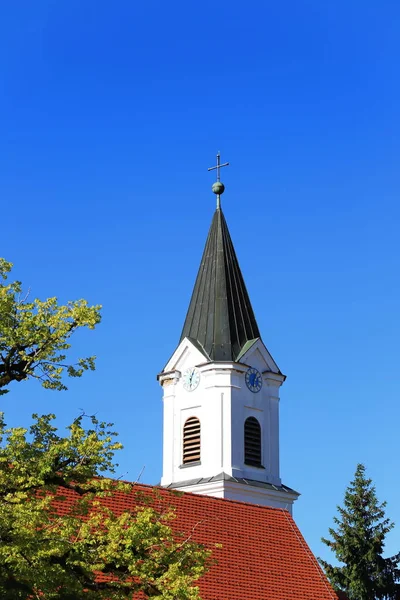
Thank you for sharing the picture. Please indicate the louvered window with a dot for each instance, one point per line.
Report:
(252, 442)
(191, 441)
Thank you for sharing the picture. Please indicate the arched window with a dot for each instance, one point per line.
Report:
(252, 442)
(191, 441)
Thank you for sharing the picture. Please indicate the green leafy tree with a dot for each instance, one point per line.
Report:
(34, 335)
(358, 543)
(59, 537)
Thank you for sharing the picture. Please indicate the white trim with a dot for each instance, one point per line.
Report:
(232, 490)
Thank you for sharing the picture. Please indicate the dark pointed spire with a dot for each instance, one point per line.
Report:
(220, 317)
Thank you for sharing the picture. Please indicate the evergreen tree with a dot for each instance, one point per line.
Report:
(358, 544)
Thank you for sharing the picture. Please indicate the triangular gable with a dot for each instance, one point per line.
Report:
(188, 354)
(257, 355)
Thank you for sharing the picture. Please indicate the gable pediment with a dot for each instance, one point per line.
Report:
(189, 353)
(257, 355)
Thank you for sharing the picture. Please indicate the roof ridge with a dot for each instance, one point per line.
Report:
(310, 555)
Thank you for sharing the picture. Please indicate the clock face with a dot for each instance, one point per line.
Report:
(191, 379)
(253, 380)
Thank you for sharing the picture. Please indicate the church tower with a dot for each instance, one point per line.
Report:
(221, 388)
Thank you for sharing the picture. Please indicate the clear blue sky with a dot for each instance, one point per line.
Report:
(111, 114)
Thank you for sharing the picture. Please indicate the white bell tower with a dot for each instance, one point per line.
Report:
(221, 388)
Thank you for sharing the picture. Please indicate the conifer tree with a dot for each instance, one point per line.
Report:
(358, 543)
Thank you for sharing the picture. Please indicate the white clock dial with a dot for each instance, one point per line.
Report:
(191, 379)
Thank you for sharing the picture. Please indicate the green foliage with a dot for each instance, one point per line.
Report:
(358, 543)
(34, 335)
(60, 539)
(77, 547)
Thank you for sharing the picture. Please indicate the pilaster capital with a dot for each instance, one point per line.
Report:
(169, 378)
(273, 379)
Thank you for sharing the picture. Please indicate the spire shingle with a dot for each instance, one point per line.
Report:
(220, 317)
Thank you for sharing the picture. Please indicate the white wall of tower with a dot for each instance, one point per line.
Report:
(221, 402)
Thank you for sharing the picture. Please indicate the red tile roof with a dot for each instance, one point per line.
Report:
(263, 554)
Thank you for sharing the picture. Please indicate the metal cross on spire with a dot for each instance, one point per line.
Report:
(218, 166)
(218, 187)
